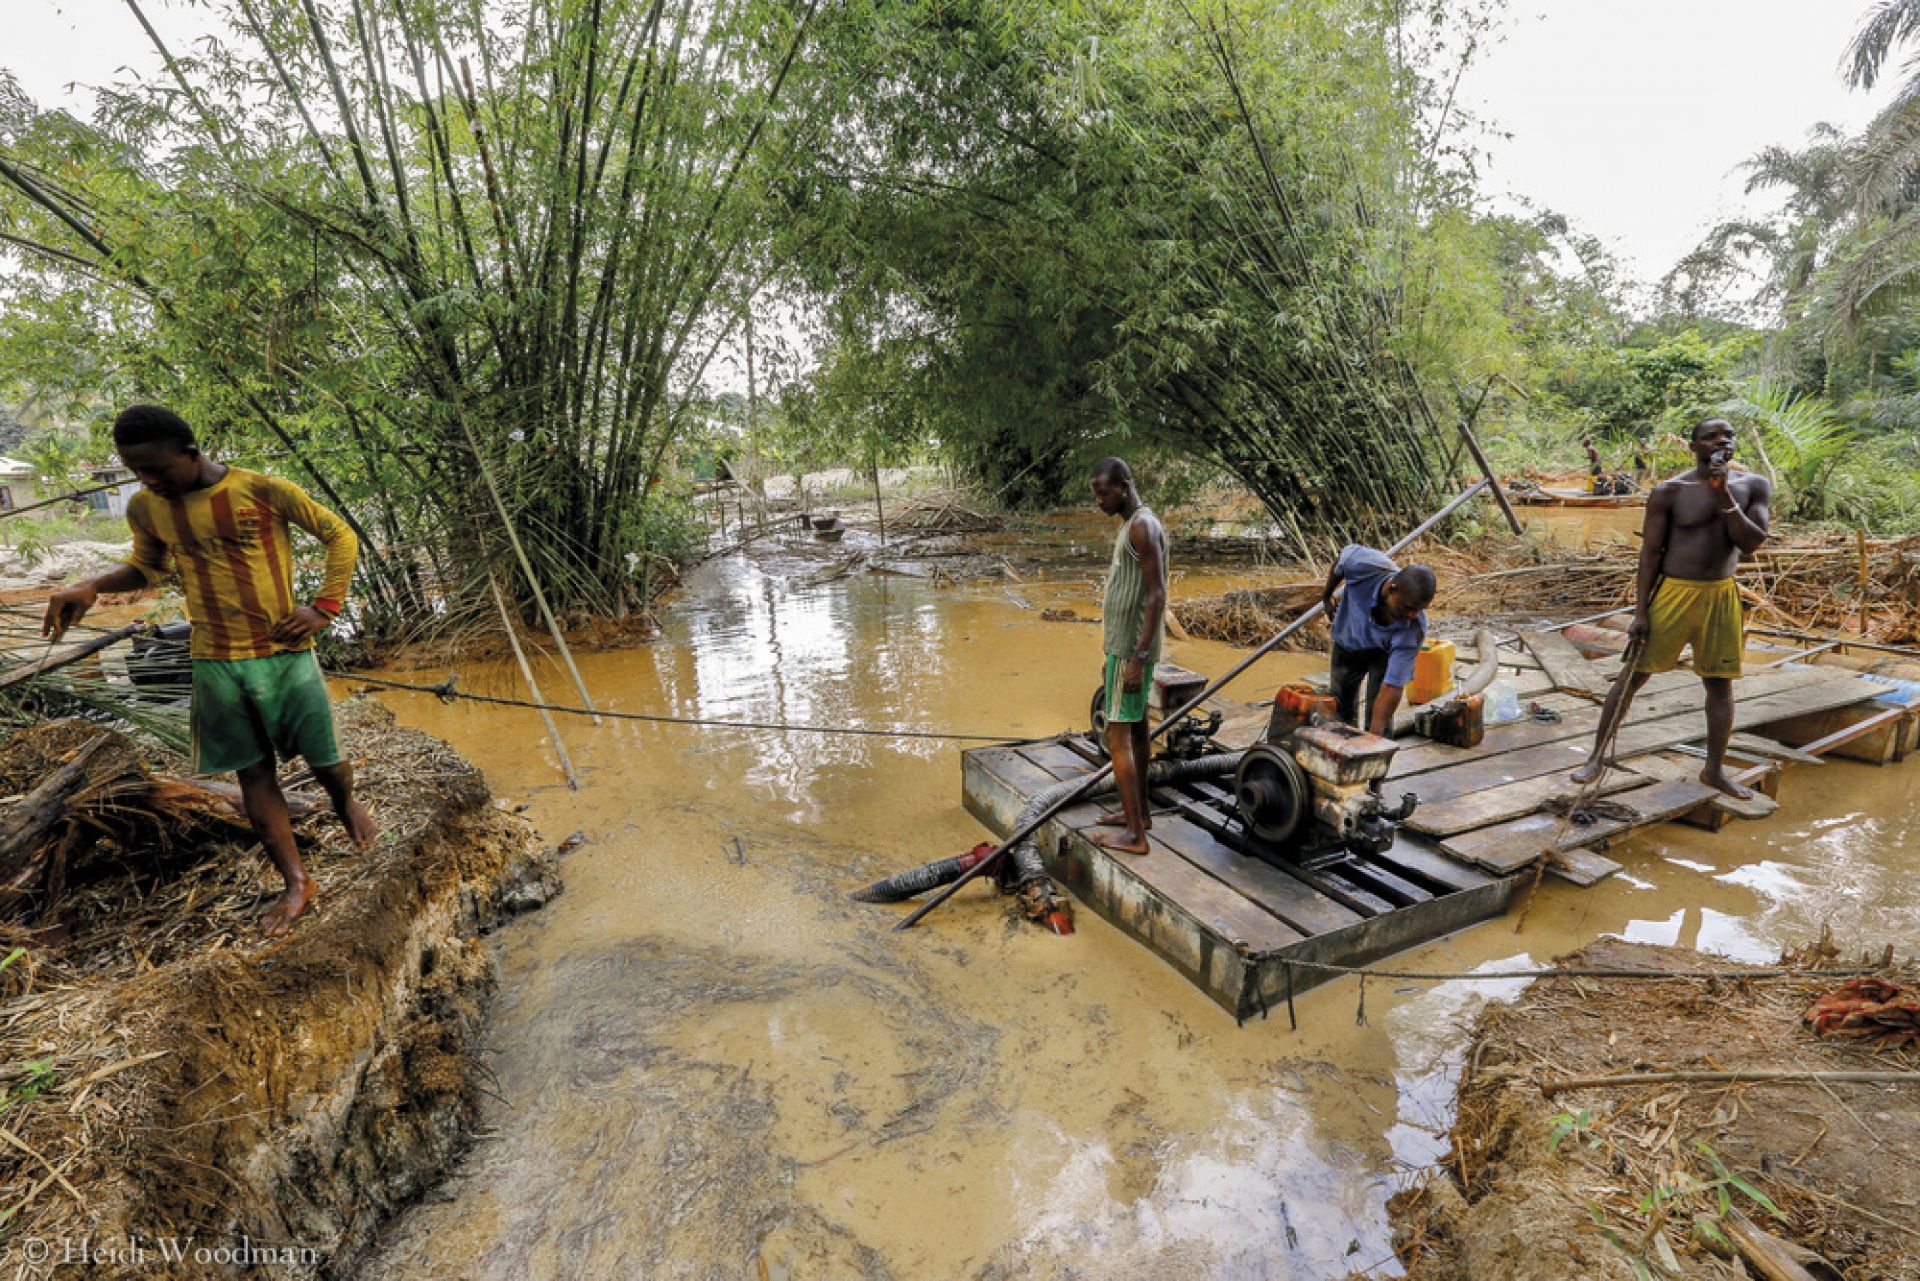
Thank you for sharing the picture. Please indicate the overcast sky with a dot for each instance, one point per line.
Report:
(1632, 116)
(1629, 116)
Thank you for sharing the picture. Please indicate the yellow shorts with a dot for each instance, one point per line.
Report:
(1706, 615)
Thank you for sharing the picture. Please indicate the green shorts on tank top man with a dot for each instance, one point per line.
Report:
(246, 710)
(1124, 708)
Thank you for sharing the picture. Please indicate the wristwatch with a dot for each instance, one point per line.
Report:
(1141, 654)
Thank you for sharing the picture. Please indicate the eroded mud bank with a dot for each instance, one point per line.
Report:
(209, 1094)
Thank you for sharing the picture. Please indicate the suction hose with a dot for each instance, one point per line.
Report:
(1027, 866)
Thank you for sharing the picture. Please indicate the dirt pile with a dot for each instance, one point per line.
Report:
(24, 568)
(1250, 616)
(176, 1089)
(1683, 1176)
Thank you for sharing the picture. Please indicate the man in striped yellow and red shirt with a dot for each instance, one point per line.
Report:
(257, 690)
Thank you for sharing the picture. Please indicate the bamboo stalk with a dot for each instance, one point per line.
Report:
(533, 686)
(1775, 1076)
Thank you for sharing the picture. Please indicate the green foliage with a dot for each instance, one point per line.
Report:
(1801, 441)
(1653, 383)
(55, 457)
(27, 541)
(463, 268)
(1566, 1123)
(39, 1077)
(1187, 228)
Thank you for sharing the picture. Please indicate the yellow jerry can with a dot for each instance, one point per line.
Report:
(1432, 671)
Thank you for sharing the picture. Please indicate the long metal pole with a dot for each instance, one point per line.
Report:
(1172, 718)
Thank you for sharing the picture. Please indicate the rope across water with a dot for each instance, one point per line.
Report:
(446, 693)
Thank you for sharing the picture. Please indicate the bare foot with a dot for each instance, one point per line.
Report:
(1587, 773)
(361, 829)
(1118, 818)
(1125, 842)
(287, 909)
(1718, 780)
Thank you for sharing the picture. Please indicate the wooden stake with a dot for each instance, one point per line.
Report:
(1860, 535)
(1493, 481)
(533, 686)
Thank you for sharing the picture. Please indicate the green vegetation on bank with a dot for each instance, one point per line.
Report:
(490, 282)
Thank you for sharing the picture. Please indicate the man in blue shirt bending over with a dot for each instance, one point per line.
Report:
(1377, 631)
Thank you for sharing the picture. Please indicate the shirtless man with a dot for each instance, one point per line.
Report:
(1134, 612)
(1697, 526)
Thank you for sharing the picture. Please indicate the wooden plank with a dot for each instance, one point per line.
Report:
(1568, 666)
(1415, 860)
(1385, 880)
(1185, 902)
(1468, 656)
(1582, 720)
(1509, 846)
(1735, 756)
(1876, 745)
(1582, 867)
(1762, 746)
(1301, 908)
(1510, 800)
(1658, 765)
(1896, 714)
(1056, 759)
(1634, 740)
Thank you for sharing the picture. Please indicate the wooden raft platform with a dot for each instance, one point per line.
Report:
(1226, 920)
(1230, 921)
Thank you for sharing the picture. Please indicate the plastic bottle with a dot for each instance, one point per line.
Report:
(1502, 703)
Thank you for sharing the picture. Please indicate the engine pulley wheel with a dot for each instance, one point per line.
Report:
(1097, 718)
(1271, 794)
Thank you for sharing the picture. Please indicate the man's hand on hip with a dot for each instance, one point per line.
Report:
(297, 626)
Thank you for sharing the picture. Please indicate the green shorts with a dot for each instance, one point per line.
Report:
(245, 710)
(1121, 706)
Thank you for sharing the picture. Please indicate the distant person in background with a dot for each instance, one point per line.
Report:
(1600, 480)
(1133, 613)
(1596, 470)
(1643, 447)
(257, 690)
(1377, 630)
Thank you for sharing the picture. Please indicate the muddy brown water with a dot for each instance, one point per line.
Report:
(705, 1059)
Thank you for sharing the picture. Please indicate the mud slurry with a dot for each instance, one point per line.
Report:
(705, 1059)
(289, 1096)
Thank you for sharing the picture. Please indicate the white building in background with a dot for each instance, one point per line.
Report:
(17, 487)
(112, 502)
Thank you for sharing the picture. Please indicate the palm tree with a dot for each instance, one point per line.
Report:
(1884, 172)
(1817, 182)
(1889, 24)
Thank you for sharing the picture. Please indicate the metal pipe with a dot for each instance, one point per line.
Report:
(1843, 641)
(916, 881)
(1028, 829)
(1590, 618)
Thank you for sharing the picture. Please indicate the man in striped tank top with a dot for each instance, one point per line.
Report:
(1133, 613)
(257, 690)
